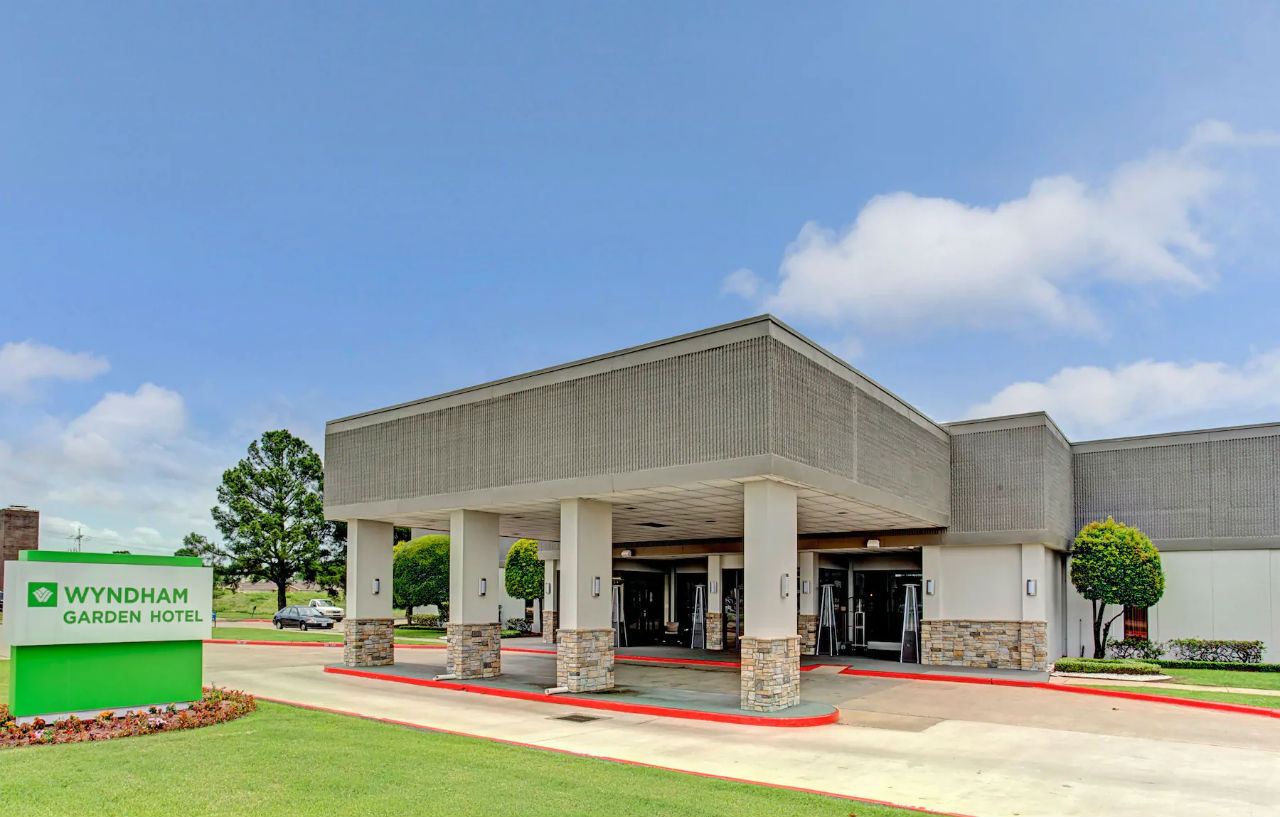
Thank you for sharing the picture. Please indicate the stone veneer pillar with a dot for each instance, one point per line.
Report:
(584, 660)
(474, 651)
(807, 628)
(985, 644)
(550, 621)
(770, 672)
(368, 642)
(715, 631)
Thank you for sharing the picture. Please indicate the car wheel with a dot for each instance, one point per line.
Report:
(279, 625)
(303, 626)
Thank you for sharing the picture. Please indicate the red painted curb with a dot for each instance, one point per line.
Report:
(594, 703)
(1243, 709)
(312, 644)
(638, 763)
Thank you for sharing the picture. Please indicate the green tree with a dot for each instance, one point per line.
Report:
(525, 574)
(271, 511)
(1112, 563)
(214, 556)
(420, 574)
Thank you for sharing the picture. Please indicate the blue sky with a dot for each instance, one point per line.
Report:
(221, 218)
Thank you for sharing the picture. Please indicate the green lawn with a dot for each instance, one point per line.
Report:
(1226, 678)
(259, 604)
(290, 634)
(1170, 691)
(270, 763)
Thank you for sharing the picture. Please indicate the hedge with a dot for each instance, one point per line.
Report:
(1119, 666)
(1216, 650)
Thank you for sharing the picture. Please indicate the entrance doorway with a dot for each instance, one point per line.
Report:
(641, 606)
(883, 596)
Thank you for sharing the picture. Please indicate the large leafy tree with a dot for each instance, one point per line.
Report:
(524, 576)
(271, 511)
(1112, 563)
(420, 574)
(214, 556)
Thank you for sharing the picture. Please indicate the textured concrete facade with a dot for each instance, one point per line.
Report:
(986, 644)
(474, 650)
(1191, 491)
(1010, 481)
(770, 673)
(368, 642)
(19, 531)
(584, 660)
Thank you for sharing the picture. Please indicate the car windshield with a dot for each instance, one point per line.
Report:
(307, 611)
(322, 603)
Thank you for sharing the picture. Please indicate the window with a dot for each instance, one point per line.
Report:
(1135, 622)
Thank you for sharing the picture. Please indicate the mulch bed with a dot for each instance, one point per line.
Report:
(217, 706)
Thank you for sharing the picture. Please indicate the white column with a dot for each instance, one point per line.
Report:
(369, 631)
(369, 546)
(586, 564)
(769, 553)
(808, 571)
(473, 558)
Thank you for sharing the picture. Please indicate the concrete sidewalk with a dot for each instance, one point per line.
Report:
(974, 749)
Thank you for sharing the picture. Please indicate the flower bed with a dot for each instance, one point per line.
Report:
(217, 706)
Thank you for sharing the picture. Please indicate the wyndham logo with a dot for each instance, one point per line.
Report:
(42, 594)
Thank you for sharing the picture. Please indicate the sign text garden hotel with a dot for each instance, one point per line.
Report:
(748, 461)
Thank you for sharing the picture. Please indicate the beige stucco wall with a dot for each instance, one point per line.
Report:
(981, 583)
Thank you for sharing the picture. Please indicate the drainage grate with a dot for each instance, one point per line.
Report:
(577, 718)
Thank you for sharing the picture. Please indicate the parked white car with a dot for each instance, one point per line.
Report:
(326, 608)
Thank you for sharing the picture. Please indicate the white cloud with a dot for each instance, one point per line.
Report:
(910, 261)
(122, 427)
(22, 364)
(1134, 397)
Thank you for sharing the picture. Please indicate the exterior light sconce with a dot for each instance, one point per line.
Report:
(548, 587)
(928, 587)
(804, 587)
(1031, 587)
(377, 586)
(712, 587)
(873, 543)
(785, 588)
(484, 586)
(595, 586)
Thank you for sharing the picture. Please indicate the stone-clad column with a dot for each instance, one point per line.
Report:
(807, 621)
(369, 628)
(474, 633)
(584, 655)
(550, 601)
(715, 603)
(770, 647)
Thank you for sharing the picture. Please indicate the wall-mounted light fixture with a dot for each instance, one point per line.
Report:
(484, 586)
(712, 587)
(928, 587)
(627, 553)
(595, 586)
(377, 586)
(1031, 587)
(785, 588)
(804, 587)
(873, 543)
(548, 587)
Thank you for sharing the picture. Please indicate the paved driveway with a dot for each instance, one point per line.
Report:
(956, 747)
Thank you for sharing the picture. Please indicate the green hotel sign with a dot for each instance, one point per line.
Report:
(97, 631)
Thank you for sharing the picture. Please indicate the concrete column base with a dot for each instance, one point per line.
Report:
(715, 631)
(807, 628)
(368, 642)
(475, 650)
(584, 660)
(550, 621)
(770, 673)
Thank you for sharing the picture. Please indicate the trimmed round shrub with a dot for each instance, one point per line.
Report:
(1139, 648)
(1117, 666)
